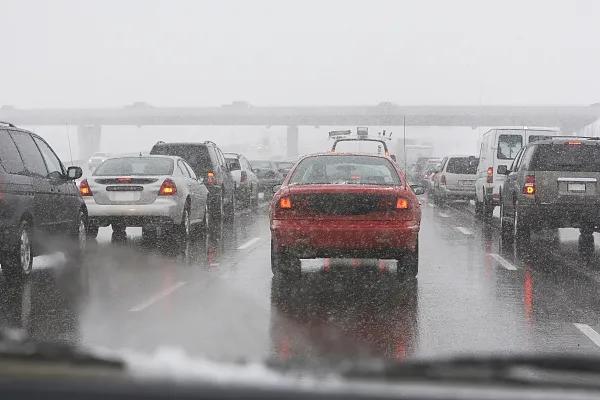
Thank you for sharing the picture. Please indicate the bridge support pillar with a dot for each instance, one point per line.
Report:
(292, 141)
(88, 137)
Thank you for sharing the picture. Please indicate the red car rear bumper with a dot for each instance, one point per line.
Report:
(330, 238)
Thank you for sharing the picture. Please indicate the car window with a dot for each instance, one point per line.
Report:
(182, 170)
(462, 165)
(9, 155)
(566, 157)
(190, 170)
(234, 164)
(362, 170)
(197, 156)
(52, 161)
(32, 158)
(135, 166)
(509, 146)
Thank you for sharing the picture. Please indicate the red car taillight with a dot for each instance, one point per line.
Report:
(490, 175)
(84, 188)
(529, 187)
(402, 204)
(443, 180)
(168, 188)
(285, 203)
(211, 179)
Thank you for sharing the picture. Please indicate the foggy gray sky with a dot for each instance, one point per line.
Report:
(114, 52)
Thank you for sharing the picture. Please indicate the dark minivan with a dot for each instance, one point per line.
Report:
(208, 162)
(39, 202)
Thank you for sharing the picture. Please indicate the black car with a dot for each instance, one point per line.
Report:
(39, 202)
(268, 175)
(208, 162)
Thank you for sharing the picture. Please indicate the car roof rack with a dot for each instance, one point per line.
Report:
(8, 124)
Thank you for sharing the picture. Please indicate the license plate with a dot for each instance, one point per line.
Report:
(465, 183)
(124, 196)
(576, 187)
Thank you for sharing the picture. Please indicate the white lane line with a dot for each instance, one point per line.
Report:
(248, 243)
(443, 215)
(463, 230)
(157, 297)
(503, 262)
(589, 332)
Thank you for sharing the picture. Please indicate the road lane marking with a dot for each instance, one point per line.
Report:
(503, 262)
(248, 243)
(157, 297)
(443, 215)
(463, 230)
(589, 332)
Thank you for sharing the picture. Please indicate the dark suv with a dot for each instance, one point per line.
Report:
(208, 162)
(38, 200)
(552, 183)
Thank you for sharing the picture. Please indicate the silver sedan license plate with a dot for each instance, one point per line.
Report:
(576, 187)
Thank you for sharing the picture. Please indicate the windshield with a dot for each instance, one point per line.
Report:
(362, 170)
(135, 166)
(170, 191)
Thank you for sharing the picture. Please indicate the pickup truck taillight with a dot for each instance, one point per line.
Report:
(443, 180)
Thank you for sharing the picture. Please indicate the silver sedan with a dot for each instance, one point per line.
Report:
(158, 193)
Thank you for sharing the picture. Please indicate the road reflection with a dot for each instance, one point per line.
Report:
(334, 317)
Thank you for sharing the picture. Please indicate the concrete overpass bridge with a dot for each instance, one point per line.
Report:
(90, 121)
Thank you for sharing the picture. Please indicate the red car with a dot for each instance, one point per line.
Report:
(345, 205)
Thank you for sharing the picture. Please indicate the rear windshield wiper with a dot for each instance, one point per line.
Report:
(546, 370)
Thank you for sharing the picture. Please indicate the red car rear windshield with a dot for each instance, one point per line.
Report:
(338, 169)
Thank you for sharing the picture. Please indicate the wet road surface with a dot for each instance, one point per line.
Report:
(473, 295)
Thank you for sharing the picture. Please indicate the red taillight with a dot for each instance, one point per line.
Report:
(84, 188)
(401, 204)
(490, 175)
(124, 180)
(167, 188)
(529, 187)
(210, 178)
(574, 142)
(285, 203)
(243, 177)
(443, 180)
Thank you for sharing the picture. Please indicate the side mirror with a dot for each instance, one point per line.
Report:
(276, 188)
(74, 173)
(418, 189)
(503, 170)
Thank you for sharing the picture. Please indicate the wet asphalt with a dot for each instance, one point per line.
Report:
(473, 295)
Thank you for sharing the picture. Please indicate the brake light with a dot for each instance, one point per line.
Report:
(490, 175)
(124, 180)
(168, 188)
(243, 177)
(285, 203)
(529, 187)
(443, 180)
(401, 204)
(210, 178)
(573, 142)
(84, 188)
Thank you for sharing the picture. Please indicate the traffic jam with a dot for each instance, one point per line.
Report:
(324, 234)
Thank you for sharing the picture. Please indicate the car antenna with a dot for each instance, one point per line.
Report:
(404, 146)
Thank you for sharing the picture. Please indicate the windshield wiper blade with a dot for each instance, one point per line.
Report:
(16, 346)
(550, 369)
